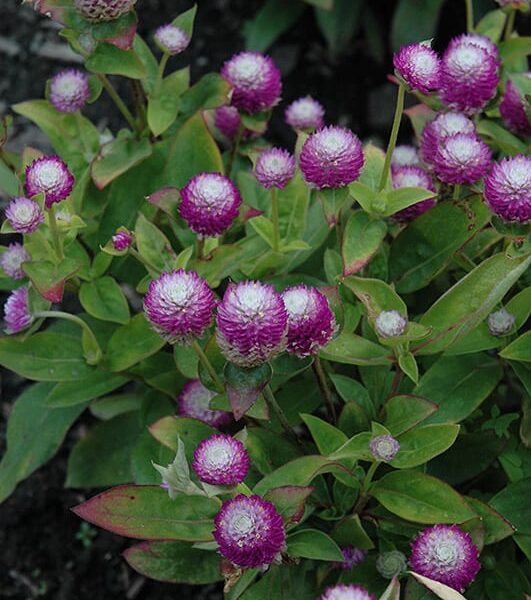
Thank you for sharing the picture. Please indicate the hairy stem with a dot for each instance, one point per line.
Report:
(394, 135)
(118, 101)
(364, 497)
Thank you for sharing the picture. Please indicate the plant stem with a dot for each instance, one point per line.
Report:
(469, 16)
(200, 248)
(274, 218)
(118, 101)
(147, 263)
(394, 135)
(203, 358)
(363, 497)
(275, 408)
(234, 149)
(56, 237)
(325, 388)
(160, 72)
(509, 24)
(457, 192)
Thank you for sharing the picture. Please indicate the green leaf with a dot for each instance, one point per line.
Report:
(439, 589)
(403, 197)
(110, 406)
(117, 157)
(111, 60)
(244, 386)
(425, 15)
(375, 295)
(352, 349)
(49, 279)
(520, 349)
(264, 228)
(333, 201)
(420, 445)
(9, 183)
(326, 437)
(314, 544)
(270, 22)
(355, 448)
(351, 390)
(210, 91)
(340, 24)
(516, 47)
(163, 104)
(71, 393)
(372, 169)
(191, 431)
(402, 413)
(491, 25)
(289, 501)
(174, 562)
(103, 298)
(513, 503)
(408, 365)
(148, 513)
(350, 532)
(185, 20)
(496, 527)
(153, 245)
(361, 240)
(419, 498)
(500, 137)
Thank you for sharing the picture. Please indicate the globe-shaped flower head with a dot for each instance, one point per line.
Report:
(500, 322)
(252, 323)
(508, 189)
(209, 204)
(443, 126)
(305, 113)
(255, 80)
(221, 460)
(351, 557)
(179, 306)
(346, 592)
(419, 66)
(122, 240)
(412, 176)
(469, 75)
(446, 554)
(311, 322)
(50, 176)
(404, 155)
(274, 167)
(104, 10)
(249, 531)
(384, 447)
(390, 323)
(193, 402)
(69, 90)
(331, 158)
(16, 311)
(512, 110)
(462, 159)
(171, 39)
(24, 215)
(12, 259)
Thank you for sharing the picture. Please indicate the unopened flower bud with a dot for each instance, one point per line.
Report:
(391, 564)
(500, 322)
(384, 447)
(122, 240)
(171, 39)
(390, 323)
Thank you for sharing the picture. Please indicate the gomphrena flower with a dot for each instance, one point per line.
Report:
(24, 215)
(122, 240)
(193, 401)
(17, 312)
(255, 80)
(274, 167)
(331, 158)
(477, 40)
(249, 531)
(351, 557)
(252, 323)
(412, 176)
(11, 260)
(469, 75)
(179, 306)
(404, 155)
(171, 39)
(69, 90)
(419, 66)
(104, 10)
(384, 447)
(508, 188)
(311, 322)
(346, 592)
(391, 564)
(512, 110)
(462, 159)
(437, 131)
(500, 322)
(305, 113)
(228, 120)
(446, 554)
(390, 323)
(50, 176)
(221, 460)
(209, 204)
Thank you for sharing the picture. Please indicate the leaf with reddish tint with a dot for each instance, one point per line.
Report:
(174, 562)
(49, 279)
(290, 500)
(167, 199)
(146, 512)
(244, 386)
(361, 240)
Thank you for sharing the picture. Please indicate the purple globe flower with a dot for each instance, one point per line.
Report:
(412, 176)
(274, 168)
(384, 447)
(390, 323)
(404, 155)
(12, 259)
(50, 176)
(179, 306)
(481, 41)
(331, 158)
(209, 204)
(469, 76)
(311, 322)
(221, 460)
(512, 110)
(252, 323)
(16, 311)
(249, 531)
(227, 119)
(255, 80)
(351, 557)
(463, 158)
(24, 215)
(305, 113)
(122, 240)
(437, 131)
(419, 66)
(508, 189)
(69, 90)
(346, 592)
(104, 10)
(446, 554)
(193, 402)
(171, 39)
(500, 322)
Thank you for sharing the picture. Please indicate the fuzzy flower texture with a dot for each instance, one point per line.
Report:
(508, 189)
(12, 258)
(104, 10)
(16, 311)
(274, 167)
(419, 66)
(50, 176)
(69, 90)
(305, 113)
(171, 39)
(436, 132)
(346, 592)
(193, 402)
(463, 159)
(512, 110)
(384, 447)
(24, 215)
(221, 460)
(122, 240)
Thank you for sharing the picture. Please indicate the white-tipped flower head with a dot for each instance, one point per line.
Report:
(274, 168)
(50, 176)
(24, 215)
(404, 155)
(12, 259)
(69, 90)
(384, 447)
(17, 312)
(500, 322)
(390, 323)
(171, 39)
(305, 113)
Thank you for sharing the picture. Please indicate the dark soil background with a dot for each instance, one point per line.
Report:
(41, 553)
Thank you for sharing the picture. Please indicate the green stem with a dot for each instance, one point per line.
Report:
(325, 388)
(244, 489)
(509, 25)
(394, 135)
(203, 358)
(234, 149)
(200, 248)
(364, 497)
(147, 263)
(457, 192)
(274, 218)
(118, 101)
(56, 236)
(160, 72)
(279, 413)
(469, 16)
